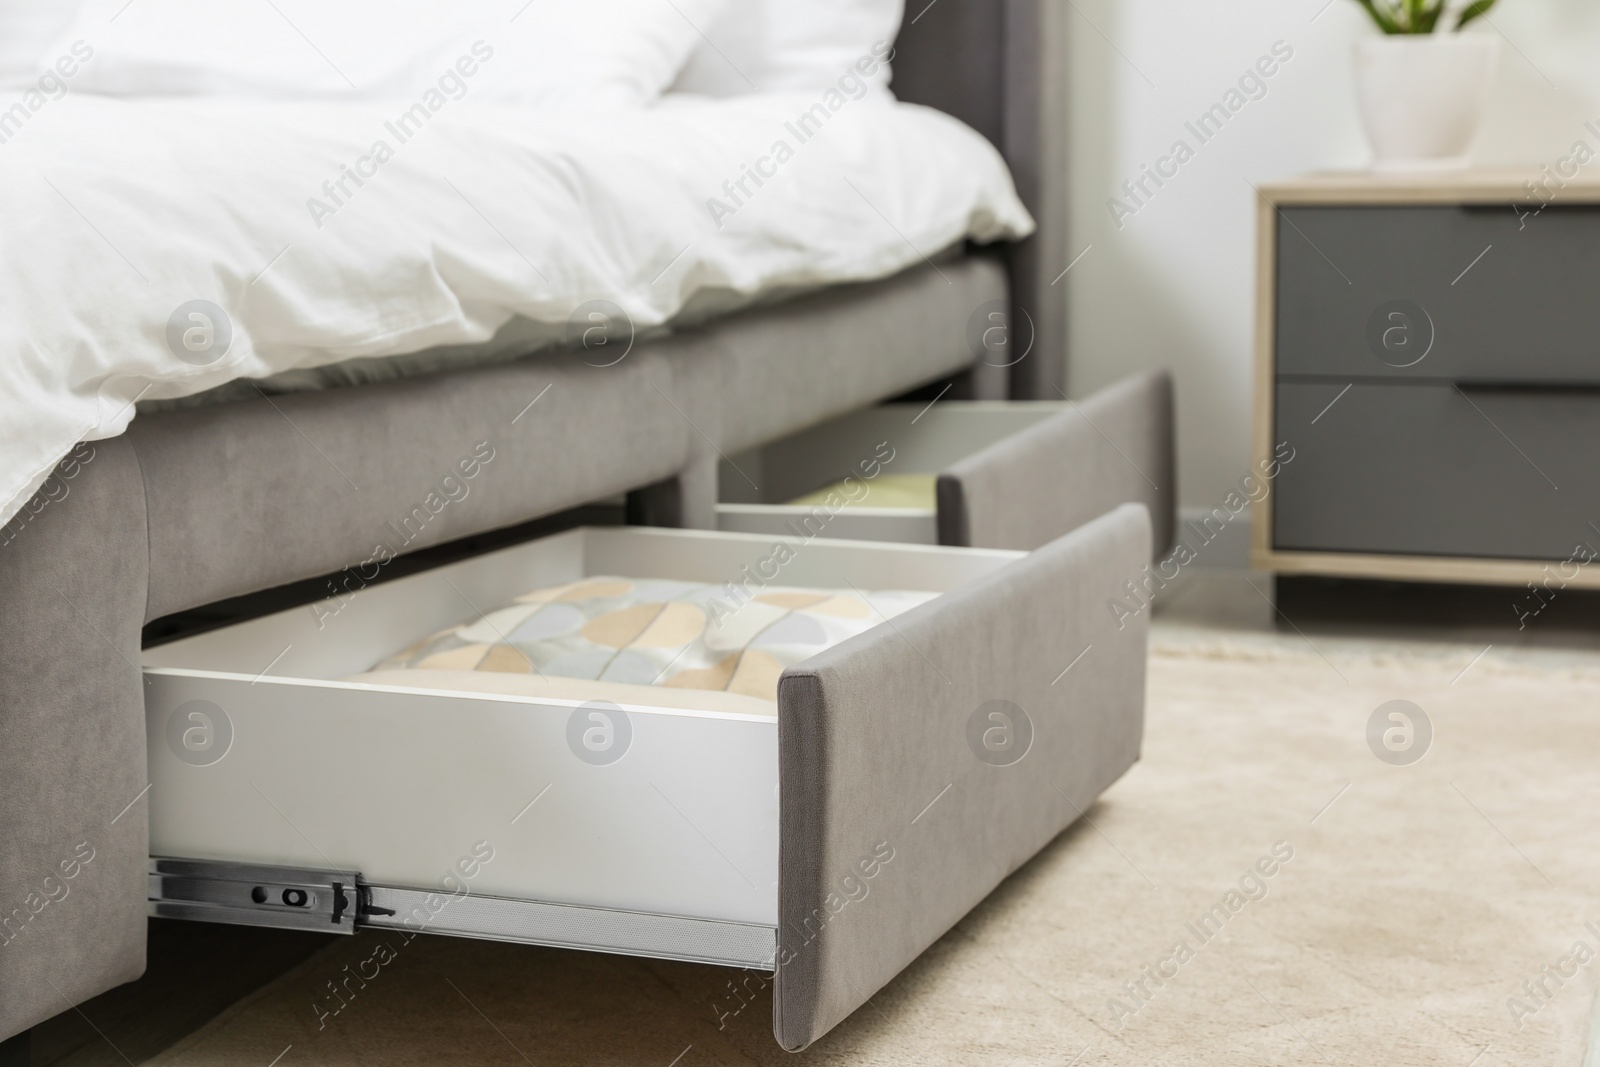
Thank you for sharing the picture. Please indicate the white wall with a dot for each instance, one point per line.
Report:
(1174, 285)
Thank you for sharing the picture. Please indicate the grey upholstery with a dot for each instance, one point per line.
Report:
(878, 339)
(1001, 67)
(1111, 448)
(874, 758)
(72, 746)
(309, 483)
(756, 377)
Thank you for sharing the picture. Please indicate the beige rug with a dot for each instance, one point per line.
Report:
(1417, 902)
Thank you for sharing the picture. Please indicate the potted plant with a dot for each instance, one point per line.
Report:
(1423, 86)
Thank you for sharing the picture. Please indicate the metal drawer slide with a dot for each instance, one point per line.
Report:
(342, 902)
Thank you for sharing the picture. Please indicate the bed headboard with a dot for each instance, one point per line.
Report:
(1000, 67)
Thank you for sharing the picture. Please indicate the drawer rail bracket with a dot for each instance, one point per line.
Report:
(291, 898)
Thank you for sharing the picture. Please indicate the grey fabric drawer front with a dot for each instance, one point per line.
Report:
(1010, 475)
(1435, 469)
(1114, 448)
(1465, 293)
(901, 808)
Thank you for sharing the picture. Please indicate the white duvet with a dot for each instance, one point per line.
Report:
(123, 220)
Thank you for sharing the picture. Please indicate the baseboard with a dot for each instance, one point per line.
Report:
(1215, 544)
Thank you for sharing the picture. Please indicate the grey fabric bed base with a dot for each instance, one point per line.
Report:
(198, 505)
(331, 473)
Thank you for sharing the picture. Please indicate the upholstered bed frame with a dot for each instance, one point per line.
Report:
(195, 506)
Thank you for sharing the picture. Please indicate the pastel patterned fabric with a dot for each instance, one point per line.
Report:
(651, 631)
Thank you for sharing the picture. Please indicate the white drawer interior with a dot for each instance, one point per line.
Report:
(400, 784)
(756, 485)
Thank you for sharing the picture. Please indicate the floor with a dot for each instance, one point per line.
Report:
(194, 972)
(1422, 894)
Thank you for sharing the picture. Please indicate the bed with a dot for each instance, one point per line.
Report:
(487, 234)
(310, 471)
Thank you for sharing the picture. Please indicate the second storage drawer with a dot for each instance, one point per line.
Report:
(870, 475)
(991, 474)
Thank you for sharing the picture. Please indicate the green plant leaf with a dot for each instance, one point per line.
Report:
(1473, 10)
(1384, 18)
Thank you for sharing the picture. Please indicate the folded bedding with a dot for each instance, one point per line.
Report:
(158, 248)
(909, 491)
(642, 633)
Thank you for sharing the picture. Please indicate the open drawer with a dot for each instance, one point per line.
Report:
(258, 754)
(282, 795)
(994, 474)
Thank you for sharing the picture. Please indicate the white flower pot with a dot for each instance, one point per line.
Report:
(1422, 97)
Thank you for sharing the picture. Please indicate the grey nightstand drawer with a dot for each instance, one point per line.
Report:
(1431, 469)
(1402, 292)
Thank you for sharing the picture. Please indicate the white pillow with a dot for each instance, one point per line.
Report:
(600, 53)
(27, 30)
(603, 53)
(792, 46)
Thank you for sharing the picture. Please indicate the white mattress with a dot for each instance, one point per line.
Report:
(118, 213)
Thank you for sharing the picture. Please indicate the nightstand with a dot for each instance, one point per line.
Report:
(1429, 348)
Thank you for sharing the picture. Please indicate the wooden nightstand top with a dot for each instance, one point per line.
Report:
(1445, 187)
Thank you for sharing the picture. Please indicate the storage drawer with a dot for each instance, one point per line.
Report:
(1458, 293)
(993, 474)
(670, 849)
(1434, 469)
(899, 441)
